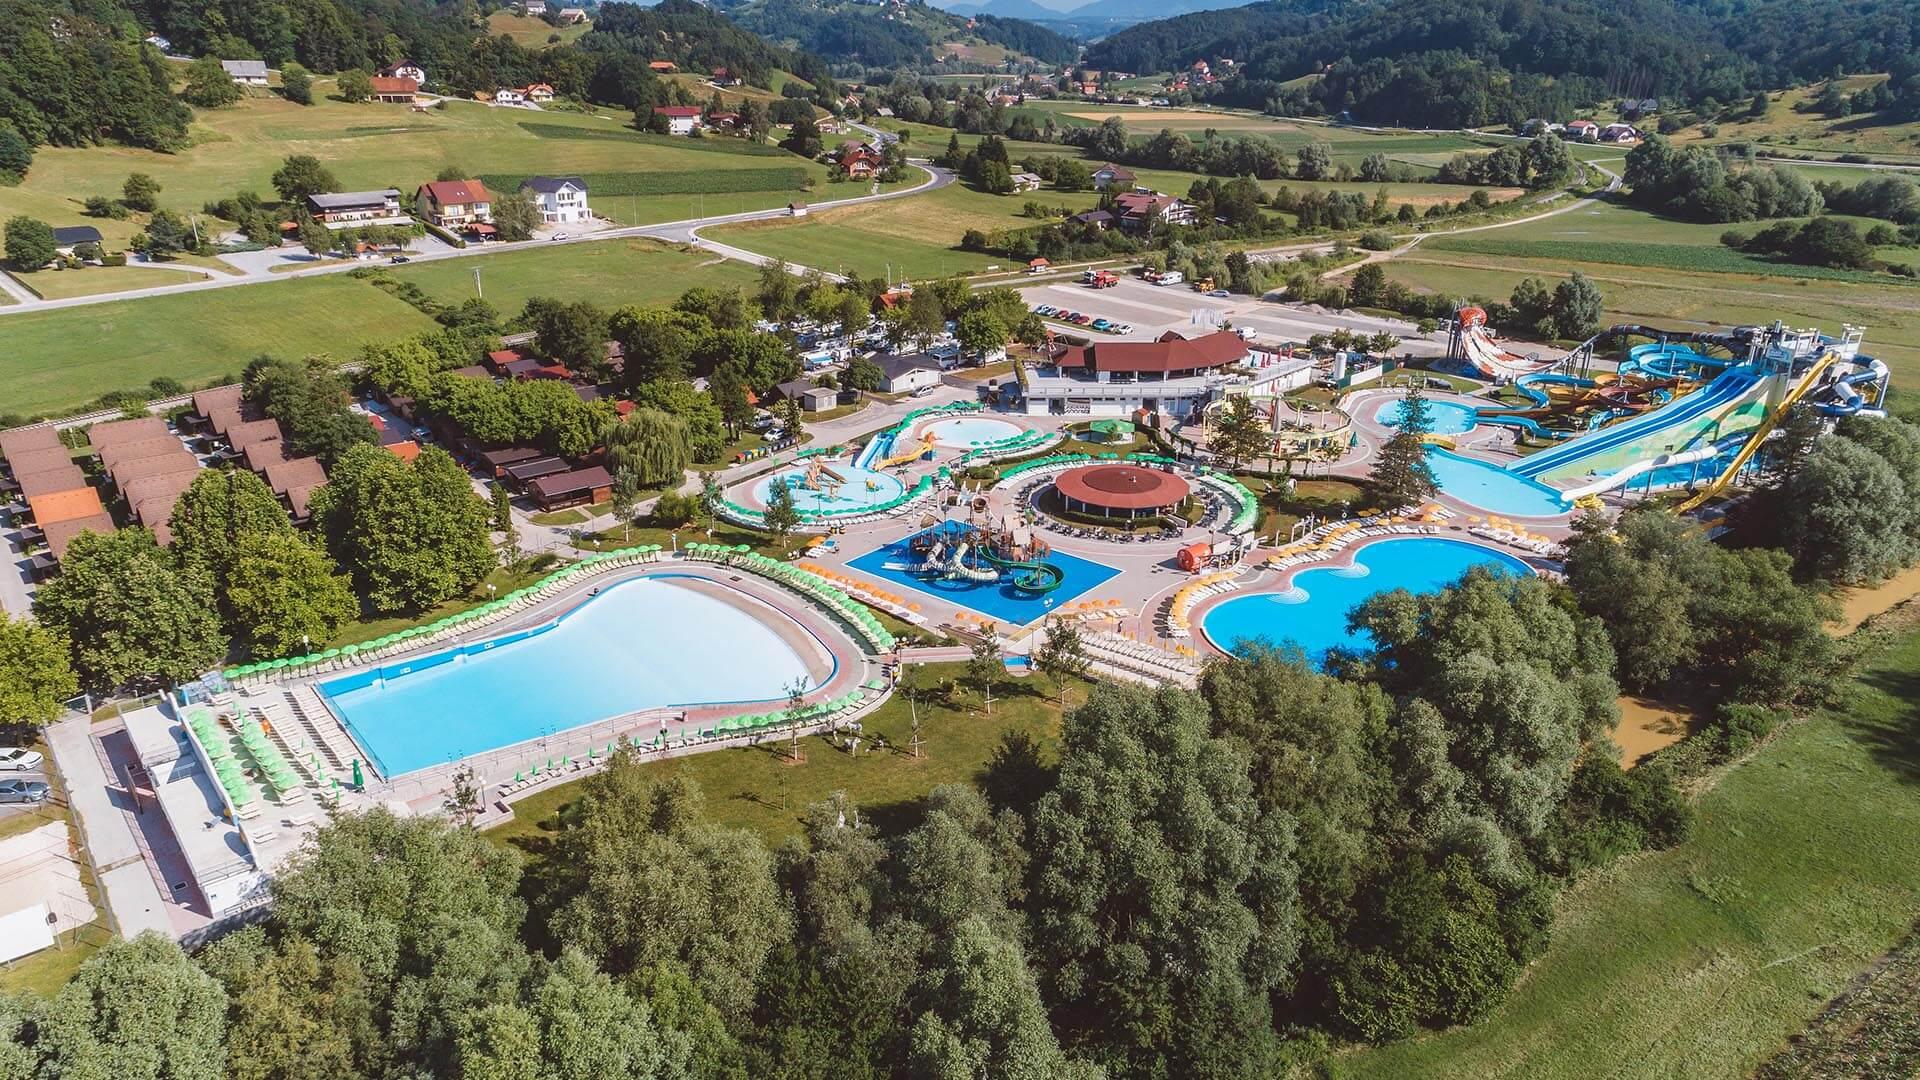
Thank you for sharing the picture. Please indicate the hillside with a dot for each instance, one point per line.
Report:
(850, 33)
(1110, 13)
(1438, 63)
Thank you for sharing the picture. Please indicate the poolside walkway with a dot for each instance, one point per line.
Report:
(106, 837)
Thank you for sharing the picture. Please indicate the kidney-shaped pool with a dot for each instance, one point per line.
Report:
(640, 644)
(1313, 612)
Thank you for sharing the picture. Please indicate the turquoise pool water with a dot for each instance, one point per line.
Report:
(859, 488)
(1313, 612)
(1449, 417)
(641, 644)
(997, 600)
(1490, 487)
(963, 432)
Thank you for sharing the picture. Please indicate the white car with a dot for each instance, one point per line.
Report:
(20, 759)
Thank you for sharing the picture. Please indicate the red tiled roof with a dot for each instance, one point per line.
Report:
(65, 506)
(61, 533)
(405, 450)
(448, 192)
(384, 85)
(118, 431)
(677, 111)
(1170, 353)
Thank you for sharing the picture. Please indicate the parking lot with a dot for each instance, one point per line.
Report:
(1151, 310)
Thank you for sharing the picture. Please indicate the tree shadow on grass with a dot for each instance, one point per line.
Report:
(1890, 730)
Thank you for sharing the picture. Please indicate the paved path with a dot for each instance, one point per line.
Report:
(672, 231)
(108, 840)
(16, 290)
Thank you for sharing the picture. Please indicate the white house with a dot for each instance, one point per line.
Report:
(1583, 130)
(905, 374)
(681, 119)
(348, 209)
(571, 15)
(538, 92)
(562, 199)
(534, 7)
(1111, 175)
(509, 95)
(1026, 181)
(1618, 133)
(246, 72)
(406, 69)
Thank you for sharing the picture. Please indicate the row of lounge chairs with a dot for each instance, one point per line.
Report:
(1139, 658)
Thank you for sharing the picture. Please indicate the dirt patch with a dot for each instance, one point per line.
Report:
(1859, 605)
(1647, 725)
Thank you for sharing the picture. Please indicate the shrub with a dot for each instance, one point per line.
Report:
(1376, 240)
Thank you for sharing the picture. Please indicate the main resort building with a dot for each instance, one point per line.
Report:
(1172, 375)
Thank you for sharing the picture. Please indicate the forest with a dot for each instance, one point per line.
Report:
(1430, 62)
(857, 36)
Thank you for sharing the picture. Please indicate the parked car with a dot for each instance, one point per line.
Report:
(1043, 309)
(20, 759)
(559, 236)
(24, 791)
(1083, 320)
(1219, 293)
(1101, 324)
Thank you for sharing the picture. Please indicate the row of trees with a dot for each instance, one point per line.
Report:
(1699, 184)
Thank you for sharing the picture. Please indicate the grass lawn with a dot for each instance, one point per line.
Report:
(757, 788)
(532, 33)
(373, 145)
(93, 280)
(61, 359)
(1702, 960)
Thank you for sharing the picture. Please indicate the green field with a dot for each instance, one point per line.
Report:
(93, 280)
(59, 360)
(374, 146)
(1701, 960)
(756, 788)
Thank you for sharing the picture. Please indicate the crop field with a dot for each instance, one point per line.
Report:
(61, 359)
(376, 146)
(1702, 960)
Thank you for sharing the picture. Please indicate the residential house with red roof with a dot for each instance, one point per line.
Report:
(461, 205)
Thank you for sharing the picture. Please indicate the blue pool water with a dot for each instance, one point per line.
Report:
(963, 432)
(1449, 417)
(638, 645)
(860, 488)
(998, 601)
(1490, 487)
(1313, 612)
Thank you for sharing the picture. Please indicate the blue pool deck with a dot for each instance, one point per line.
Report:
(998, 601)
(641, 644)
(1312, 612)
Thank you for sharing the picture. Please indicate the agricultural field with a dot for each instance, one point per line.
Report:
(1703, 959)
(375, 146)
(916, 236)
(531, 33)
(93, 280)
(61, 359)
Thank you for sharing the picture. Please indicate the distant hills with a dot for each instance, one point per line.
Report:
(884, 35)
(1087, 17)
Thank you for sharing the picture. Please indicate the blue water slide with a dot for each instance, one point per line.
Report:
(1850, 401)
(1525, 423)
(1669, 360)
(1723, 391)
(1666, 468)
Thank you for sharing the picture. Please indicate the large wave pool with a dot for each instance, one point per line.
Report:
(641, 644)
(1313, 612)
(997, 600)
(1490, 487)
(841, 486)
(966, 432)
(1449, 417)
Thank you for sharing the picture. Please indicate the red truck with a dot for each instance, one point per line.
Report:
(1103, 279)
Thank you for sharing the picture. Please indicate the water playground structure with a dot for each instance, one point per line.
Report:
(1300, 429)
(1685, 410)
(985, 555)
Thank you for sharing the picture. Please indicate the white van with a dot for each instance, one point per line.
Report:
(1171, 277)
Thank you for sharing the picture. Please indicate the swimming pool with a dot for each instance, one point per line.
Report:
(963, 432)
(843, 487)
(1449, 417)
(997, 600)
(1313, 612)
(1490, 487)
(640, 644)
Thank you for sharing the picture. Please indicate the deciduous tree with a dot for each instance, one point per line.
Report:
(133, 615)
(409, 534)
(35, 674)
(208, 84)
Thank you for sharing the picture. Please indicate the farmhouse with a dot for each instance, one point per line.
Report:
(681, 119)
(562, 199)
(1619, 133)
(462, 205)
(1099, 219)
(571, 15)
(394, 90)
(1111, 175)
(406, 69)
(1584, 130)
(1026, 181)
(723, 77)
(348, 209)
(1139, 210)
(509, 95)
(534, 7)
(538, 92)
(246, 72)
